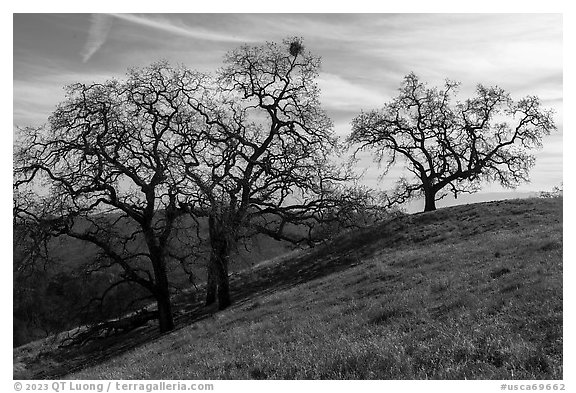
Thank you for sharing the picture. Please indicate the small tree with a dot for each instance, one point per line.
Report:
(452, 147)
(108, 166)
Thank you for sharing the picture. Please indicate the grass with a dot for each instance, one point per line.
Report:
(468, 292)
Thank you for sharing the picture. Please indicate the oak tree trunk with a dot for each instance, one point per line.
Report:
(430, 199)
(161, 285)
(223, 283)
(165, 318)
(211, 282)
(217, 285)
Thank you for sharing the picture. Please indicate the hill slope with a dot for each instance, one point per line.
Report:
(471, 291)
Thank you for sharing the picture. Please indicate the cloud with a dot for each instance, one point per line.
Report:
(179, 28)
(99, 30)
(36, 97)
(340, 94)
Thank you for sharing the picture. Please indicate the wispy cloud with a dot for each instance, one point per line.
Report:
(36, 97)
(97, 36)
(341, 94)
(179, 28)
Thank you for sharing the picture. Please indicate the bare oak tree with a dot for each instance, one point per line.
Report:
(107, 171)
(452, 147)
(128, 166)
(266, 163)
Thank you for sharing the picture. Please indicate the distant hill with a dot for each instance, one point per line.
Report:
(50, 299)
(466, 199)
(465, 292)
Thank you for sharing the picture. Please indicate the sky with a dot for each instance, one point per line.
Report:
(364, 59)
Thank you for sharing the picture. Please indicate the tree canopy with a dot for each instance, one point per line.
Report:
(109, 164)
(132, 167)
(452, 146)
(267, 153)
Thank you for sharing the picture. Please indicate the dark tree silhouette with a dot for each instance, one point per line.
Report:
(128, 166)
(452, 147)
(107, 171)
(266, 155)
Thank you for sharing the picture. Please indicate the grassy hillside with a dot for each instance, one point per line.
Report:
(471, 291)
